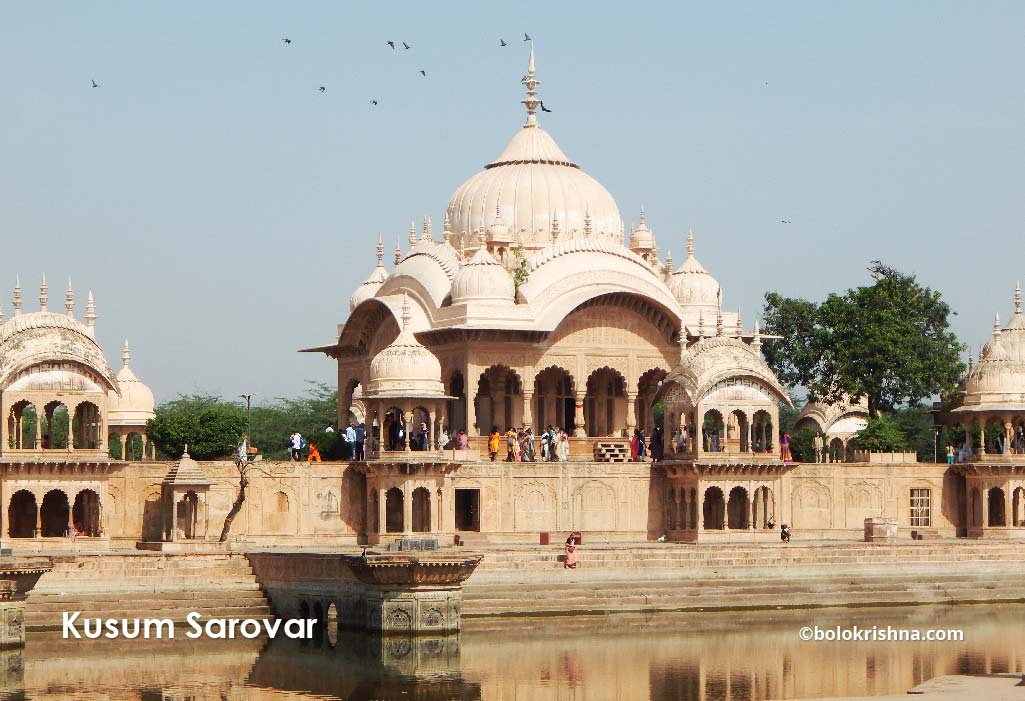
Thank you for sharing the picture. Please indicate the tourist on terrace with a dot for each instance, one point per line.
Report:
(950, 454)
(656, 445)
(443, 440)
(493, 442)
(563, 446)
(634, 447)
(295, 445)
(243, 450)
(784, 448)
(819, 445)
(361, 440)
(569, 560)
(544, 446)
(314, 454)
(424, 439)
(510, 445)
(529, 452)
(784, 533)
(350, 439)
(642, 449)
(462, 440)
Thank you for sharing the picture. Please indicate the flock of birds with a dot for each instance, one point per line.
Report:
(405, 46)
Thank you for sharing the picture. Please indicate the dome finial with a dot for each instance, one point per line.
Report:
(126, 355)
(398, 251)
(971, 361)
(996, 324)
(380, 250)
(644, 220)
(406, 316)
(69, 300)
(412, 232)
(740, 326)
(426, 235)
(669, 262)
(531, 102)
(90, 315)
(42, 294)
(17, 295)
(756, 344)
(690, 243)
(1017, 298)
(448, 229)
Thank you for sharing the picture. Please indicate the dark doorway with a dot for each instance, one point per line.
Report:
(394, 510)
(21, 515)
(468, 510)
(55, 514)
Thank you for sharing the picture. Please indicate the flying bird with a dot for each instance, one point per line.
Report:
(784, 221)
(322, 88)
(373, 102)
(543, 108)
(526, 37)
(501, 42)
(423, 73)
(391, 44)
(287, 40)
(406, 46)
(95, 84)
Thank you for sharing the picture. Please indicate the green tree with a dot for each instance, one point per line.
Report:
(888, 341)
(309, 414)
(882, 434)
(209, 425)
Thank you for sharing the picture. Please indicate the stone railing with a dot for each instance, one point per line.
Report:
(884, 458)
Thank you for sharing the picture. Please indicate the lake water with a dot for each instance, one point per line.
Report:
(700, 657)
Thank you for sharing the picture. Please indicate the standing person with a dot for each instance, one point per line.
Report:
(425, 436)
(462, 440)
(331, 427)
(243, 450)
(784, 533)
(544, 447)
(682, 447)
(820, 445)
(784, 448)
(314, 454)
(569, 560)
(642, 449)
(950, 454)
(493, 442)
(529, 452)
(564, 445)
(443, 440)
(656, 445)
(296, 444)
(510, 443)
(634, 440)
(350, 439)
(361, 441)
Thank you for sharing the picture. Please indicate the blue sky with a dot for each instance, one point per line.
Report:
(222, 209)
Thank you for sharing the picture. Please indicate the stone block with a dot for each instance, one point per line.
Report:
(880, 529)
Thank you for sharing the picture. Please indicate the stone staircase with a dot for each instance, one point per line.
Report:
(727, 577)
(145, 585)
(612, 451)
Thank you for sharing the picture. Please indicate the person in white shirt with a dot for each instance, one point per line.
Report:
(296, 445)
(350, 439)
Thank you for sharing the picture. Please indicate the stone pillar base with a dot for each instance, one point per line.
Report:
(12, 624)
(412, 612)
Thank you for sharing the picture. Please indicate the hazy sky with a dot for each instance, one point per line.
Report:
(222, 209)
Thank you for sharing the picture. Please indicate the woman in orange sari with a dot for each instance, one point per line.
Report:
(570, 559)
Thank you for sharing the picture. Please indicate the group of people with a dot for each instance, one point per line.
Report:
(655, 447)
(521, 445)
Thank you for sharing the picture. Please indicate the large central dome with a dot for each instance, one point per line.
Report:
(540, 194)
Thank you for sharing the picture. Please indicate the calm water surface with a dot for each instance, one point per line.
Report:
(692, 657)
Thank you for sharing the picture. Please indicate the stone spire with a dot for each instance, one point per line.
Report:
(740, 326)
(69, 300)
(669, 263)
(42, 294)
(426, 231)
(690, 243)
(1017, 298)
(532, 101)
(996, 324)
(90, 315)
(380, 250)
(406, 316)
(412, 232)
(398, 251)
(126, 355)
(447, 233)
(756, 344)
(971, 361)
(701, 323)
(17, 295)
(718, 321)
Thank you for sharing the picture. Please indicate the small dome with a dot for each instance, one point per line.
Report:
(691, 284)
(483, 279)
(135, 404)
(372, 284)
(642, 239)
(999, 378)
(405, 368)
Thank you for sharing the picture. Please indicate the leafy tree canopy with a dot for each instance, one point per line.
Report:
(888, 341)
(209, 425)
(308, 414)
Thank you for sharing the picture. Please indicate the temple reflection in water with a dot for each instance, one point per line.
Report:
(692, 657)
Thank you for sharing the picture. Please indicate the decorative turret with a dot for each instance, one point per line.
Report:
(17, 295)
(756, 343)
(412, 231)
(447, 233)
(483, 279)
(669, 264)
(499, 232)
(373, 283)
(740, 326)
(691, 284)
(531, 101)
(996, 325)
(90, 315)
(69, 300)
(42, 294)
(642, 240)
(701, 324)
(398, 252)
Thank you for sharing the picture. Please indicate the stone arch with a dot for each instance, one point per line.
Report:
(420, 429)
(152, 516)
(763, 433)
(713, 431)
(764, 507)
(455, 386)
(55, 514)
(713, 509)
(22, 514)
(280, 503)
(554, 398)
(837, 450)
(393, 428)
(87, 426)
(738, 509)
(85, 514)
(737, 431)
(535, 507)
(810, 506)
(54, 425)
(187, 515)
(605, 402)
(594, 506)
(133, 446)
(22, 425)
(422, 510)
(393, 510)
(975, 517)
(499, 399)
(997, 515)
(862, 500)
(648, 385)
(1018, 507)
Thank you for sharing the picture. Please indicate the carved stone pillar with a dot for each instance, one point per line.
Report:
(406, 418)
(982, 436)
(578, 415)
(432, 439)
(631, 412)
(382, 512)
(751, 515)
(407, 509)
(528, 411)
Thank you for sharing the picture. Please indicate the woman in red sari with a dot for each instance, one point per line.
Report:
(635, 445)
